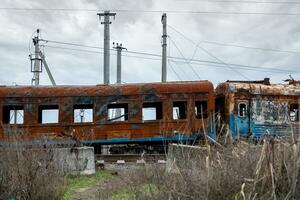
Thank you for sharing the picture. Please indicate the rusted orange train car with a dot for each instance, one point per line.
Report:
(108, 114)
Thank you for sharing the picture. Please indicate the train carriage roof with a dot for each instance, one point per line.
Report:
(107, 90)
(258, 88)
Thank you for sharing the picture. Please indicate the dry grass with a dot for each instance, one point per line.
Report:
(269, 170)
(29, 173)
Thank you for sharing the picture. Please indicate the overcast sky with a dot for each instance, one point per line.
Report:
(141, 31)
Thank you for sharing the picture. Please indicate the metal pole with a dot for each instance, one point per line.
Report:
(164, 48)
(15, 114)
(119, 49)
(36, 73)
(106, 23)
(119, 63)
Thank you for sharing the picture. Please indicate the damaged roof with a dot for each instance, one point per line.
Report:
(259, 87)
(106, 90)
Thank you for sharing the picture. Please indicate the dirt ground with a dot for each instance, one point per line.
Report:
(101, 190)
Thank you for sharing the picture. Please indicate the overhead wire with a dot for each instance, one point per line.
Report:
(249, 68)
(150, 11)
(209, 53)
(152, 56)
(172, 68)
(194, 71)
(97, 52)
(248, 47)
(245, 2)
(169, 63)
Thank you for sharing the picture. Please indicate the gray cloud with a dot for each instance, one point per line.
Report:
(140, 31)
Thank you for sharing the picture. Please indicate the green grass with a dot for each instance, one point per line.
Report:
(75, 183)
(146, 190)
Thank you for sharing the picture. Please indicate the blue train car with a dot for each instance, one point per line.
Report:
(257, 109)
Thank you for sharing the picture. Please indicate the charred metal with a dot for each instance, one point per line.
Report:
(106, 114)
(258, 109)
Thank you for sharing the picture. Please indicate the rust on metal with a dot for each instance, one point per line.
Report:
(256, 108)
(31, 98)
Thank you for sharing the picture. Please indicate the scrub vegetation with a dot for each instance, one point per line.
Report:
(29, 173)
(269, 170)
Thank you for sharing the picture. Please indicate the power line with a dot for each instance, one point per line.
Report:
(152, 56)
(243, 67)
(73, 44)
(97, 52)
(168, 61)
(151, 11)
(248, 47)
(245, 2)
(194, 71)
(209, 53)
(174, 70)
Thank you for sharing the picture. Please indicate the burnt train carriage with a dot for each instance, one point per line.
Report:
(257, 109)
(108, 114)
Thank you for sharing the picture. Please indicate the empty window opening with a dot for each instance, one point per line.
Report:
(117, 112)
(201, 109)
(152, 111)
(83, 113)
(294, 112)
(13, 115)
(48, 114)
(179, 110)
(242, 109)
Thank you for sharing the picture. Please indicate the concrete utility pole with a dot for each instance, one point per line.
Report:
(164, 48)
(106, 15)
(37, 60)
(119, 49)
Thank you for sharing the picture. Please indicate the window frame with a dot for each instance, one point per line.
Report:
(246, 108)
(48, 107)
(296, 113)
(205, 114)
(158, 115)
(120, 105)
(84, 107)
(6, 109)
(185, 114)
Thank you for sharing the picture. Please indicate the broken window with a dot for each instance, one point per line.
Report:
(13, 115)
(242, 109)
(201, 109)
(83, 113)
(179, 110)
(48, 114)
(117, 112)
(152, 111)
(294, 112)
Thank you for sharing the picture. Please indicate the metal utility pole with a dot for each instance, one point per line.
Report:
(164, 48)
(37, 60)
(106, 15)
(119, 49)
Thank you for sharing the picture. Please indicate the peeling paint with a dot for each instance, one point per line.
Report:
(31, 97)
(269, 107)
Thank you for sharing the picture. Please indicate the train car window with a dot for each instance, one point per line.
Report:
(13, 115)
(152, 111)
(179, 110)
(242, 109)
(48, 114)
(201, 109)
(294, 112)
(117, 112)
(83, 113)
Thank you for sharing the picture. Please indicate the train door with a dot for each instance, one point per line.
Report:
(242, 119)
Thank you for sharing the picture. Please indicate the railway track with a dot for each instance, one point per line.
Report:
(130, 158)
